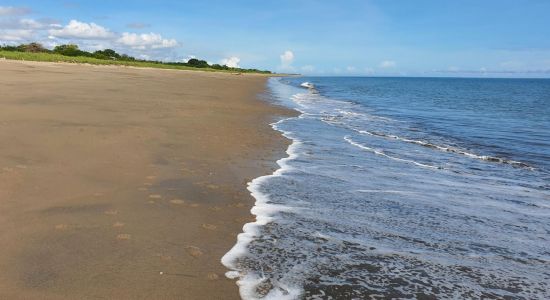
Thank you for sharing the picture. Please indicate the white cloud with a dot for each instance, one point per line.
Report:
(31, 24)
(11, 35)
(232, 62)
(287, 58)
(351, 69)
(13, 11)
(388, 64)
(146, 41)
(89, 36)
(81, 30)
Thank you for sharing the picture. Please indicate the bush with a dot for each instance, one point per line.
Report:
(193, 62)
(11, 48)
(70, 50)
(219, 67)
(106, 54)
(34, 48)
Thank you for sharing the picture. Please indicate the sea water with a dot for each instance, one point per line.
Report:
(403, 188)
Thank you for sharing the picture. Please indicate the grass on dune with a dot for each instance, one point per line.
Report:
(53, 57)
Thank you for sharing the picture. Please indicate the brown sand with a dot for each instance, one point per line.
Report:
(121, 183)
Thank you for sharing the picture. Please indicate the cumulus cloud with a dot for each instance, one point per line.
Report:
(15, 35)
(146, 41)
(351, 69)
(81, 30)
(232, 62)
(388, 64)
(287, 58)
(15, 29)
(13, 11)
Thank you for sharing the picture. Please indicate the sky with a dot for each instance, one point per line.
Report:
(475, 38)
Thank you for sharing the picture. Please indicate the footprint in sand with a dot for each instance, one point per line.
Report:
(194, 251)
(209, 226)
(177, 201)
(212, 276)
(111, 212)
(155, 196)
(123, 236)
(118, 224)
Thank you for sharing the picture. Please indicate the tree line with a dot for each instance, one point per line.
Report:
(110, 54)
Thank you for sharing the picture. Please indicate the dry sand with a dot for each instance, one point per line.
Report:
(121, 183)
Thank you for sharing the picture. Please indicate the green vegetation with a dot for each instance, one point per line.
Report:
(73, 54)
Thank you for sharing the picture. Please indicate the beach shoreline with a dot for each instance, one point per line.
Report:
(127, 183)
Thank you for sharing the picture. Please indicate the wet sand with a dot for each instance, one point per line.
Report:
(122, 183)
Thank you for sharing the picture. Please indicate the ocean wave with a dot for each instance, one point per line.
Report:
(449, 149)
(381, 153)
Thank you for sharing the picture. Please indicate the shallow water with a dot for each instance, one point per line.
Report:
(404, 188)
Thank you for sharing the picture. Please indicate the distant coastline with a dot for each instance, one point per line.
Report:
(71, 53)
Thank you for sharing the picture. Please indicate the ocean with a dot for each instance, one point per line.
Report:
(426, 188)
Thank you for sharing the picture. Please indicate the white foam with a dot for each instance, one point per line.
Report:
(449, 149)
(381, 153)
(264, 212)
(388, 192)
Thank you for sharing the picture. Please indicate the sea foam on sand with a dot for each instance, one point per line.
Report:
(264, 212)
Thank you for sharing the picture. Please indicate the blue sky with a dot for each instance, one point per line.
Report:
(504, 38)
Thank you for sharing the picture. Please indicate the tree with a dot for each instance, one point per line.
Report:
(193, 62)
(219, 67)
(33, 47)
(69, 50)
(106, 54)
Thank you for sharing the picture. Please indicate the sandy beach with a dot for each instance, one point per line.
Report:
(123, 183)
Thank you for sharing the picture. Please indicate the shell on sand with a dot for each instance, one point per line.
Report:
(212, 186)
(118, 224)
(209, 226)
(194, 251)
(212, 276)
(123, 236)
(177, 201)
(61, 226)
